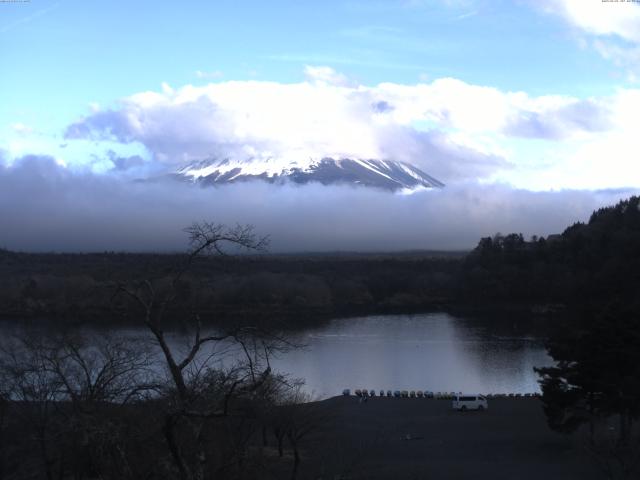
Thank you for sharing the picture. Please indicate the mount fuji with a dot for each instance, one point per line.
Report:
(382, 174)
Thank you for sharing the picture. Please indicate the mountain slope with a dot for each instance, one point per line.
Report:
(388, 175)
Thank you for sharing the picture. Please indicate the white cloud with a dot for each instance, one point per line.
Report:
(612, 26)
(167, 89)
(599, 17)
(452, 129)
(602, 159)
(21, 128)
(213, 75)
(614, 154)
(626, 56)
(326, 75)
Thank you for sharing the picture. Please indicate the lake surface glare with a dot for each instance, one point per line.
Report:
(436, 352)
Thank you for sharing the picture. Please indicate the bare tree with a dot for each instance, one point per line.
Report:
(199, 390)
(5, 400)
(62, 387)
(294, 418)
(100, 369)
(29, 384)
(204, 239)
(4, 407)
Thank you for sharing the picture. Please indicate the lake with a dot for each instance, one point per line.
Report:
(436, 352)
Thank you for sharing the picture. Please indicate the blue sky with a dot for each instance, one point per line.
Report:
(65, 54)
(526, 95)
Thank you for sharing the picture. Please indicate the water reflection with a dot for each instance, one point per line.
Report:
(428, 352)
(436, 352)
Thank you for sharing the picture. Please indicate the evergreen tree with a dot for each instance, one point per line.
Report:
(598, 370)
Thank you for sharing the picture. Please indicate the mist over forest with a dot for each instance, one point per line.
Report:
(47, 207)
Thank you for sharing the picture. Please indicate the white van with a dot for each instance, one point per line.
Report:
(465, 402)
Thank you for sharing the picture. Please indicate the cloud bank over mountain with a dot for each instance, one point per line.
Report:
(511, 162)
(46, 207)
(453, 130)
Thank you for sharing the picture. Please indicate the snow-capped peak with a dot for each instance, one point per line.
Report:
(386, 174)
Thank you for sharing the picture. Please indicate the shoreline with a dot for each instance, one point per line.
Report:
(291, 320)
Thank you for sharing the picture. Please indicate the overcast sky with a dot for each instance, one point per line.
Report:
(526, 109)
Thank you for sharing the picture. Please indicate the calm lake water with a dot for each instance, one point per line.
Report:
(436, 352)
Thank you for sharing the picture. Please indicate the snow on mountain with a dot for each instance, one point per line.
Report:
(385, 174)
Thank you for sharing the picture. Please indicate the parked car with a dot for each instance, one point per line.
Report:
(397, 394)
(428, 394)
(419, 393)
(382, 393)
(389, 394)
(464, 402)
(412, 394)
(405, 394)
(358, 393)
(372, 393)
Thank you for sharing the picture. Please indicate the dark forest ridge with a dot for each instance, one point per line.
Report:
(244, 256)
(599, 259)
(277, 285)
